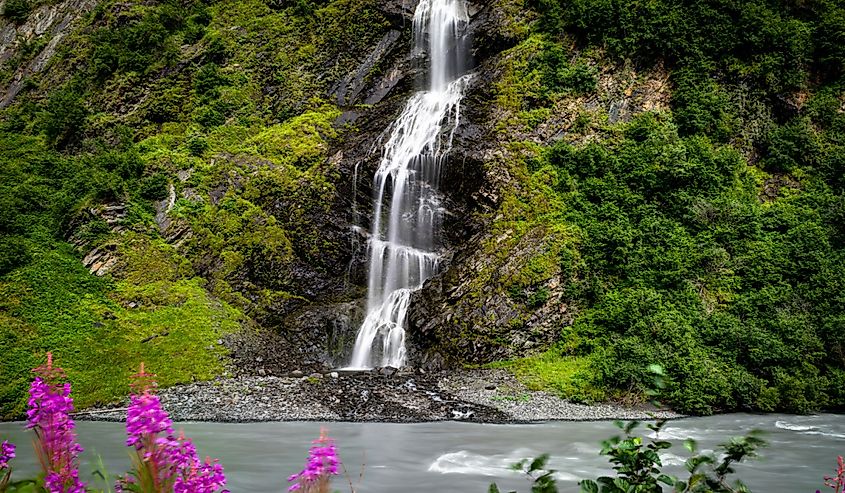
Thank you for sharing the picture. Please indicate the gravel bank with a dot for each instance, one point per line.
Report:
(484, 396)
(500, 390)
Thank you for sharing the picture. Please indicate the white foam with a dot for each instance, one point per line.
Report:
(674, 433)
(826, 434)
(498, 465)
(670, 459)
(783, 425)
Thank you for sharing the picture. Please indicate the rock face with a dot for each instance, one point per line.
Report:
(503, 292)
(48, 23)
(298, 267)
(465, 315)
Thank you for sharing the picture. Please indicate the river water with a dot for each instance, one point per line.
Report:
(465, 457)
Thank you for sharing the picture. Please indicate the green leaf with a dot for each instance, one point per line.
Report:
(666, 479)
(589, 486)
(539, 463)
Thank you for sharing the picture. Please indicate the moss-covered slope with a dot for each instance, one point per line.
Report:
(668, 181)
(632, 183)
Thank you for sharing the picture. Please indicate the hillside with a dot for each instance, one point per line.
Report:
(631, 183)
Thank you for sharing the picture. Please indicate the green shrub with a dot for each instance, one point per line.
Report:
(14, 253)
(63, 118)
(154, 187)
(197, 144)
(17, 11)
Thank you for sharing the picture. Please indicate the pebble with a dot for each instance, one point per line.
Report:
(463, 395)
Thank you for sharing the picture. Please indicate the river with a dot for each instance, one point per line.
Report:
(466, 457)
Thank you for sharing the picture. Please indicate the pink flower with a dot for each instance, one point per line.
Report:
(7, 453)
(163, 462)
(322, 463)
(837, 482)
(48, 416)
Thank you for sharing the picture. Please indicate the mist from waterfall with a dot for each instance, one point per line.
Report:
(404, 247)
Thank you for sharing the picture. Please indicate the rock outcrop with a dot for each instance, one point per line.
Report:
(45, 27)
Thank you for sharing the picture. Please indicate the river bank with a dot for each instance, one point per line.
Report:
(386, 395)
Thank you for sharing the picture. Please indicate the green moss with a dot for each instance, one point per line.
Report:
(570, 377)
(300, 142)
(54, 304)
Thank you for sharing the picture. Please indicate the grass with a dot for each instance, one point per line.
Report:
(54, 304)
(567, 376)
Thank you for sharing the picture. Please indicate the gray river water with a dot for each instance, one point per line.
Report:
(466, 457)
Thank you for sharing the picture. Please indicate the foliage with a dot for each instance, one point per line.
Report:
(682, 264)
(64, 116)
(639, 468)
(56, 303)
(638, 465)
(17, 11)
(138, 95)
(707, 237)
(542, 479)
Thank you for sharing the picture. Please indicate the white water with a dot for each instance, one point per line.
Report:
(403, 246)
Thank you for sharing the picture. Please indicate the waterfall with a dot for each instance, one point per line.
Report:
(403, 245)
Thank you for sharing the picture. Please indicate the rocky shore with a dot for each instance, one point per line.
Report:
(388, 395)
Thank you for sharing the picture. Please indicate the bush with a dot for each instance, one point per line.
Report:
(13, 253)
(17, 11)
(63, 118)
(154, 187)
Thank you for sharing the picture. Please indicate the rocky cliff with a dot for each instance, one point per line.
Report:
(195, 178)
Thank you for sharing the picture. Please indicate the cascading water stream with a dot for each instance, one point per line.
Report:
(407, 211)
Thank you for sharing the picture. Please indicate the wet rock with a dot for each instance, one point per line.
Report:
(326, 333)
(349, 89)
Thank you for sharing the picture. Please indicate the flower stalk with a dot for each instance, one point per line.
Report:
(163, 462)
(321, 465)
(837, 482)
(7, 453)
(48, 415)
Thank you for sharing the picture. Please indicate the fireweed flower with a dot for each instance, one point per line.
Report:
(163, 462)
(204, 477)
(7, 453)
(322, 463)
(48, 415)
(837, 482)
